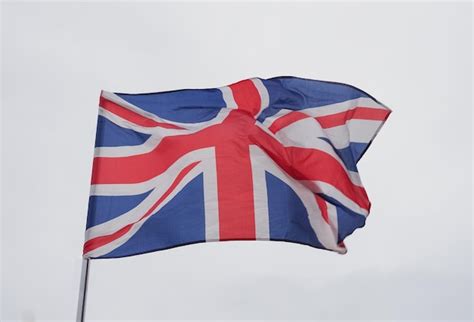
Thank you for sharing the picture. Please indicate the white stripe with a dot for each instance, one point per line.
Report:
(211, 200)
(355, 177)
(228, 97)
(323, 230)
(363, 130)
(332, 215)
(260, 195)
(262, 91)
(331, 191)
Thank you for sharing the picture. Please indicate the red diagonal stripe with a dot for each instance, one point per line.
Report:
(286, 120)
(323, 207)
(359, 113)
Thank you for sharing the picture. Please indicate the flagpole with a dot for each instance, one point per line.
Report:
(81, 306)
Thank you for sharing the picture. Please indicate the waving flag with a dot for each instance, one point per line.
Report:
(259, 159)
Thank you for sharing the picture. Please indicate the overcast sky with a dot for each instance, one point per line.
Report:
(413, 260)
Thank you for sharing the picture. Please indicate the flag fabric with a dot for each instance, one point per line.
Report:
(261, 159)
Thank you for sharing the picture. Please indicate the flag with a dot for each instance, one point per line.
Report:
(261, 159)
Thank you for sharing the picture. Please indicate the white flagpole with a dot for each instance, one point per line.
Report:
(81, 306)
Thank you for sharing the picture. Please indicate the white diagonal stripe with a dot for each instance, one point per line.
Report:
(262, 91)
(228, 97)
(329, 190)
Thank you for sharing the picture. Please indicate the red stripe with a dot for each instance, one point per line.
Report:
(286, 120)
(234, 171)
(97, 242)
(323, 207)
(246, 96)
(234, 179)
(132, 116)
(235, 192)
(359, 113)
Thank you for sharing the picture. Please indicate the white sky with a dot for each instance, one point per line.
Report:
(413, 260)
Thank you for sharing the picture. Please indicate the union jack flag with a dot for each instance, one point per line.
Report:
(261, 159)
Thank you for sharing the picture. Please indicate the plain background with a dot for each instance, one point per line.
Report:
(413, 260)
